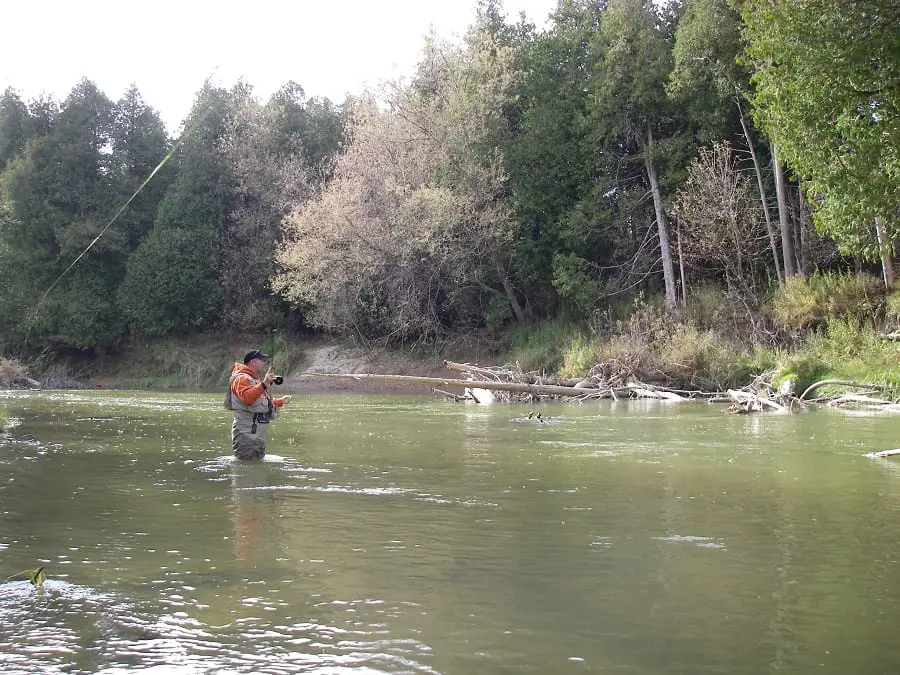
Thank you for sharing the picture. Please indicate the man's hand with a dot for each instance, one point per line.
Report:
(270, 376)
(286, 399)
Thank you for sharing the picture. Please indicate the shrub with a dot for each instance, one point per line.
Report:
(807, 303)
(804, 369)
(10, 371)
(892, 309)
(579, 356)
(699, 358)
(795, 304)
(706, 306)
(541, 347)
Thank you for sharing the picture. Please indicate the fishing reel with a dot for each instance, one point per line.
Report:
(278, 380)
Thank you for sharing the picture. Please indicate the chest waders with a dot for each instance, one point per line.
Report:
(248, 432)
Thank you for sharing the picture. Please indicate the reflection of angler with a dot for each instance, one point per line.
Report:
(252, 508)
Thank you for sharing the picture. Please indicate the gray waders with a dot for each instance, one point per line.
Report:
(248, 431)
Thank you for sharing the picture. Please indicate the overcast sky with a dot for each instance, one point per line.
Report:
(169, 47)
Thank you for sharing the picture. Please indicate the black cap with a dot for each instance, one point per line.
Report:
(254, 354)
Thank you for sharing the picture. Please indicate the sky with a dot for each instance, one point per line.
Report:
(168, 48)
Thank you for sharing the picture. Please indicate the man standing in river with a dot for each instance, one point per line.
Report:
(254, 408)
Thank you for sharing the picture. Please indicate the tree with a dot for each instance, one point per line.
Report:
(413, 233)
(59, 195)
(713, 86)
(629, 106)
(13, 126)
(312, 128)
(186, 229)
(719, 218)
(138, 144)
(272, 177)
(168, 287)
(553, 166)
(827, 87)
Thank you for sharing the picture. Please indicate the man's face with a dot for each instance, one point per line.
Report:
(256, 365)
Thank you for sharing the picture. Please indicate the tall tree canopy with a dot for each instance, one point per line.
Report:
(827, 90)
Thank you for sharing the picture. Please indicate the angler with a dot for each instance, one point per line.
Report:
(254, 408)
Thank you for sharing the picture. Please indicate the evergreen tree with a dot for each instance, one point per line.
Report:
(633, 117)
(184, 293)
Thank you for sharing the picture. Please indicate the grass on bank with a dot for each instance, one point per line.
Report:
(825, 327)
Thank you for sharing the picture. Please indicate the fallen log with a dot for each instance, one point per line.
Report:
(884, 453)
(518, 387)
(843, 383)
(866, 401)
(643, 391)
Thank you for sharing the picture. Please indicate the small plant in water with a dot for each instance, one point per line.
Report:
(36, 577)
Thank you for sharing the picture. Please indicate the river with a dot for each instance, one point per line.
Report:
(403, 534)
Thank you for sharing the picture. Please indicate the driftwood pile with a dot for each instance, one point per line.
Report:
(610, 380)
(505, 384)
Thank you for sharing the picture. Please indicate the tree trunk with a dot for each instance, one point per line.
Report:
(773, 243)
(662, 225)
(784, 218)
(510, 293)
(806, 232)
(887, 255)
(681, 264)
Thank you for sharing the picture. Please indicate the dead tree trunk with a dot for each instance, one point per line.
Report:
(887, 255)
(762, 195)
(784, 218)
(662, 225)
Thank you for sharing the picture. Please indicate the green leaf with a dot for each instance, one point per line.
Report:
(37, 577)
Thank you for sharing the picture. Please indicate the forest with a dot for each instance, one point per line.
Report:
(724, 168)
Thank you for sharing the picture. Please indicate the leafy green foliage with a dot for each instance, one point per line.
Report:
(551, 156)
(168, 285)
(808, 303)
(576, 285)
(542, 347)
(803, 369)
(632, 116)
(706, 78)
(13, 126)
(578, 356)
(497, 312)
(827, 90)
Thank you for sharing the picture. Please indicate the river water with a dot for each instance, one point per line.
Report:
(388, 534)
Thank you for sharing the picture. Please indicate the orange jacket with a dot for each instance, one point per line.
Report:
(246, 392)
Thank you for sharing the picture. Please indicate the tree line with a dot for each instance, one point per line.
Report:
(517, 175)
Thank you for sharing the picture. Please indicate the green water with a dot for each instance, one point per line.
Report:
(411, 535)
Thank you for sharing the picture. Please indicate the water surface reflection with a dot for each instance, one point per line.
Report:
(404, 535)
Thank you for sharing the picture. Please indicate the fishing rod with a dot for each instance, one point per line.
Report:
(278, 378)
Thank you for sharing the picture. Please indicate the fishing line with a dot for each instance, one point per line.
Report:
(159, 166)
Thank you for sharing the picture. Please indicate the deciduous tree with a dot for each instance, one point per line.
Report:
(827, 90)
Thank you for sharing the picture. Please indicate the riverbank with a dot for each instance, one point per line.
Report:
(824, 328)
(204, 362)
